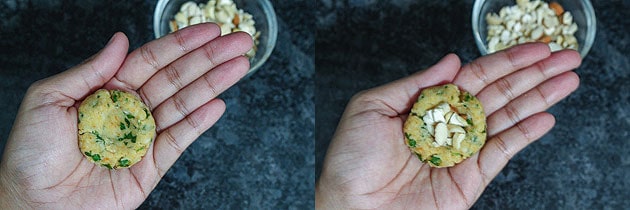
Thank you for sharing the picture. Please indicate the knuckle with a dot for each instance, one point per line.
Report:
(479, 71)
(512, 114)
(173, 77)
(543, 97)
(524, 131)
(180, 105)
(181, 42)
(211, 86)
(505, 88)
(172, 141)
(209, 52)
(502, 146)
(148, 56)
(193, 123)
(147, 100)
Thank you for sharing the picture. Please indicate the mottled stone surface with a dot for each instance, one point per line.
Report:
(259, 155)
(583, 163)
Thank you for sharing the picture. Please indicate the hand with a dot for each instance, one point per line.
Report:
(368, 165)
(178, 76)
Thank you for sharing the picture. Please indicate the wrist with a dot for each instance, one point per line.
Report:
(9, 195)
(325, 197)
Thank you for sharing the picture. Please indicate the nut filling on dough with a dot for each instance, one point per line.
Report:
(445, 126)
(115, 128)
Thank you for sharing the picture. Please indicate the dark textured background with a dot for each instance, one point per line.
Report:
(259, 154)
(583, 163)
(254, 157)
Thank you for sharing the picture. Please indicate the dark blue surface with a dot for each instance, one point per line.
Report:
(259, 155)
(583, 163)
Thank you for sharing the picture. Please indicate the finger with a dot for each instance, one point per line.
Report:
(501, 148)
(483, 71)
(145, 61)
(536, 100)
(507, 88)
(400, 94)
(170, 144)
(185, 70)
(202, 90)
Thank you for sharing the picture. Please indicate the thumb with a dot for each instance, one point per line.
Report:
(92, 74)
(400, 94)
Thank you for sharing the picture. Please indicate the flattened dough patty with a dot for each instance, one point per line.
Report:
(422, 142)
(115, 128)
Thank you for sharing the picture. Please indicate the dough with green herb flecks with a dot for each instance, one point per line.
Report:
(115, 128)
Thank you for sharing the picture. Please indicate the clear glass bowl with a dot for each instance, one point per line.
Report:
(582, 11)
(261, 10)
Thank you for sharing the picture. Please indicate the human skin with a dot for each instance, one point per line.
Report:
(368, 165)
(178, 76)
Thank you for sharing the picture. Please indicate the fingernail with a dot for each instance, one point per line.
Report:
(111, 39)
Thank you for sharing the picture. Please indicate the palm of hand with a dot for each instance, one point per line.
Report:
(69, 178)
(43, 165)
(369, 166)
(395, 178)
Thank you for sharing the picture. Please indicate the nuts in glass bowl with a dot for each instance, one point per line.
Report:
(262, 12)
(222, 12)
(530, 21)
